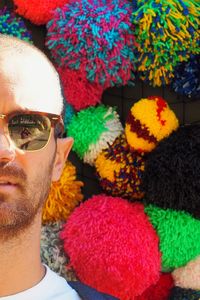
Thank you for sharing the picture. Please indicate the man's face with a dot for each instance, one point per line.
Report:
(25, 177)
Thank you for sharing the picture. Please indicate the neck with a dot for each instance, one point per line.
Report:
(20, 262)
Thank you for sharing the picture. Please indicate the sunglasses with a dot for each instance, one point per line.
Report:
(31, 130)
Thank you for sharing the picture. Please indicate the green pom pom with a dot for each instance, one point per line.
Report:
(179, 236)
(92, 129)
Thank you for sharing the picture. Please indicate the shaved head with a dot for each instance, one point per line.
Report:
(31, 78)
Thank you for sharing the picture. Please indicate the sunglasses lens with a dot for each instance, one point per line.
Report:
(29, 131)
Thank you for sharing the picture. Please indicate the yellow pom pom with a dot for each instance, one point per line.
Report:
(64, 196)
(149, 121)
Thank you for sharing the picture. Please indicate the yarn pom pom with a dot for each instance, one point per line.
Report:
(11, 24)
(171, 178)
(92, 129)
(68, 114)
(179, 236)
(64, 196)
(52, 251)
(96, 36)
(78, 91)
(159, 291)
(148, 122)
(165, 30)
(38, 12)
(187, 80)
(188, 277)
(119, 170)
(104, 237)
(184, 294)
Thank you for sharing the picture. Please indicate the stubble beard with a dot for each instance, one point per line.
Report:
(27, 205)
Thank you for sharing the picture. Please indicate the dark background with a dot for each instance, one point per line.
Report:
(187, 110)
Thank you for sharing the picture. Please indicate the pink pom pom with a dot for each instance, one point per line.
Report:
(38, 11)
(112, 246)
(188, 277)
(160, 291)
(78, 91)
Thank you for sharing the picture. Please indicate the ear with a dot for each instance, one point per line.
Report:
(63, 148)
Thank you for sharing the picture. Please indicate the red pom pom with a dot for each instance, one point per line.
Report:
(160, 291)
(38, 11)
(112, 246)
(78, 91)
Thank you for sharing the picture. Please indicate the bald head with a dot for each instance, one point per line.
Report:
(28, 76)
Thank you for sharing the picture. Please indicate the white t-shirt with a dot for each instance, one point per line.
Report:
(51, 287)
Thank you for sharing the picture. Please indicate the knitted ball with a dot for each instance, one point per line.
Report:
(189, 275)
(78, 91)
(148, 122)
(171, 178)
(184, 294)
(186, 79)
(159, 291)
(52, 251)
(119, 170)
(92, 129)
(104, 237)
(95, 36)
(64, 196)
(167, 32)
(37, 11)
(11, 24)
(179, 236)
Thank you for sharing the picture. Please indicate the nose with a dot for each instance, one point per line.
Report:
(7, 151)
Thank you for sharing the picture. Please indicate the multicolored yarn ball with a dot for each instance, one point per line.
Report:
(104, 237)
(95, 38)
(186, 79)
(148, 122)
(11, 24)
(92, 129)
(179, 236)
(188, 277)
(171, 177)
(38, 12)
(167, 32)
(160, 291)
(184, 294)
(68, 114)
(119, 170)
(52, 251)
(64, 196)
(78, 91)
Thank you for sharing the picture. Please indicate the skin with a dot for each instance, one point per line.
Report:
(30, 173)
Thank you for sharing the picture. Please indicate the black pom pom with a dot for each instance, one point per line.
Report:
(172, 172)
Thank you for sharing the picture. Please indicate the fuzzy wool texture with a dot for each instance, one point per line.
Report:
(188, 277)
(52, 251)
(64, 196)
(13, 25)
(160, 291)
(78, 91)
(148, 122)
(68, 114)
(104, 237)
(165, 30)
(178, 293)
(119, 170)
(171, 178)
(39, 12)
(179, 235)
(186, 80)
(92, 129)
(95, 37)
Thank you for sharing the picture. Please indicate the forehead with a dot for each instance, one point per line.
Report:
(28, 80)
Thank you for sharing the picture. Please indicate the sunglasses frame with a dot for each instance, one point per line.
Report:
(55, 120)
